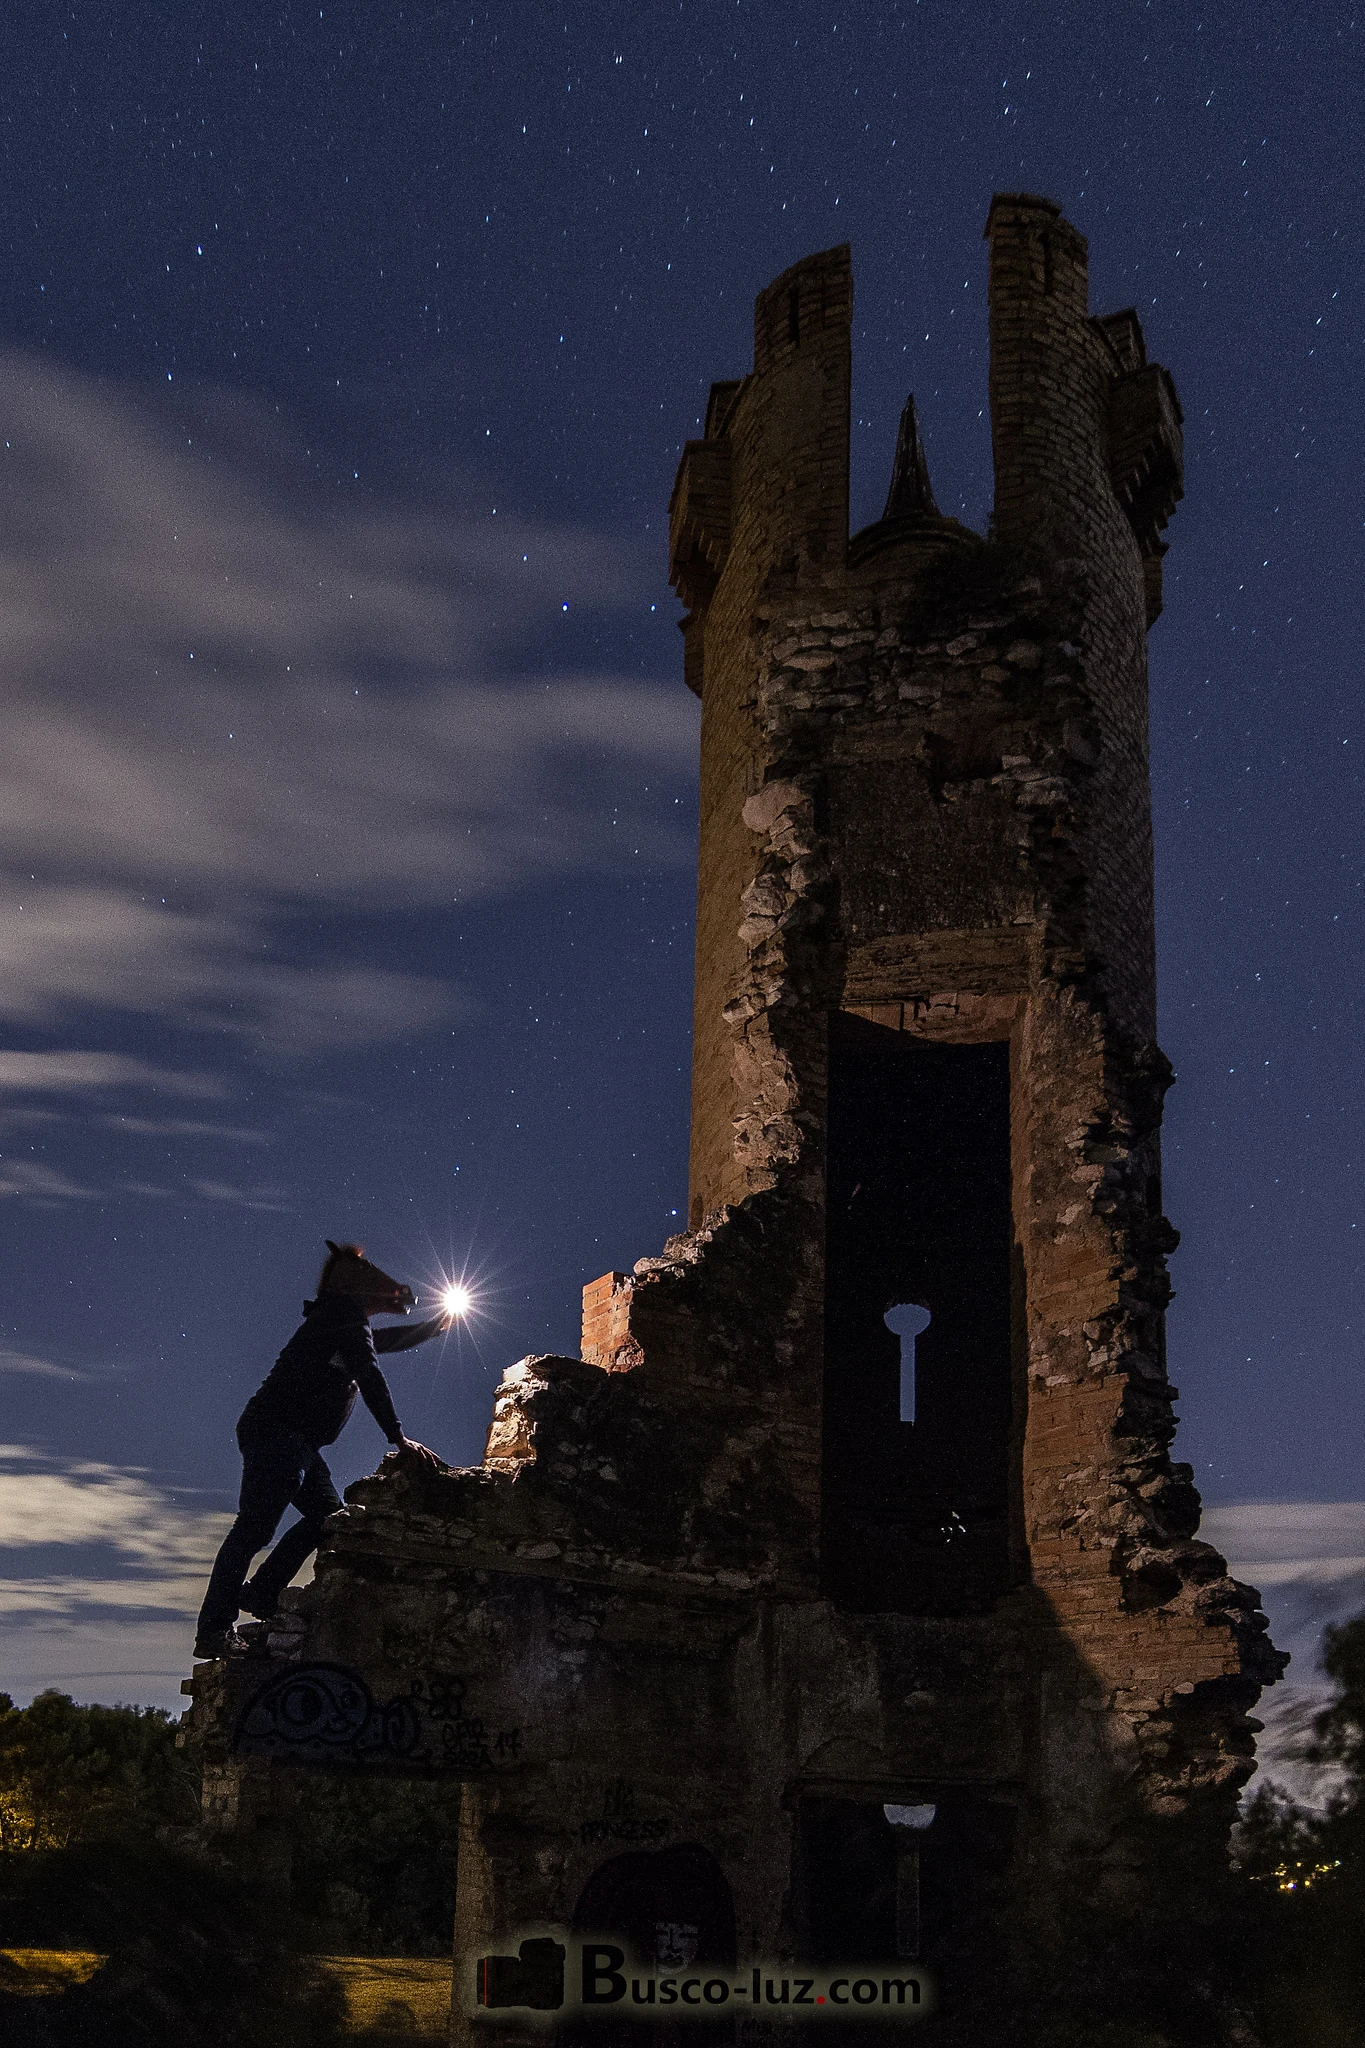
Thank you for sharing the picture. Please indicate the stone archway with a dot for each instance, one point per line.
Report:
(673, 1908)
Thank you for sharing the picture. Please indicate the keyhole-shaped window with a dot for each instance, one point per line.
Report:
(907, 1320)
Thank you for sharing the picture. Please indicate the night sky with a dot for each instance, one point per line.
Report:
(347, 781)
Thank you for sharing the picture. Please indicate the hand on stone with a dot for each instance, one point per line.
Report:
(407, 1448)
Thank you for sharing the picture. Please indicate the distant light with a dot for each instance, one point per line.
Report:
(457, 1300)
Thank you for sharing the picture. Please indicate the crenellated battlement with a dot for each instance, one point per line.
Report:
(1085, 431)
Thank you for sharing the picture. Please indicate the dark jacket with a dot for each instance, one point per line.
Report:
(311, 1388)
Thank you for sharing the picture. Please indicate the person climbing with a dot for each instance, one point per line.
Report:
(304, 1403)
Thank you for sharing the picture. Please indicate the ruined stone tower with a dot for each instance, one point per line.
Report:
(755, 1579)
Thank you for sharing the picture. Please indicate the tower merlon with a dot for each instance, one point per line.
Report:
(1086, 431)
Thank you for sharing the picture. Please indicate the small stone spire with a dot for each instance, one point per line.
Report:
(911, 494)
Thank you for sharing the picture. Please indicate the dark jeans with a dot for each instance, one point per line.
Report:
(276, 1470)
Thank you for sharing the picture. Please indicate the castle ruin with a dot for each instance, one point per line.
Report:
(760, 1619)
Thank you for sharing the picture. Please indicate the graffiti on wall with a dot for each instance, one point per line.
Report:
(325, 1714)
(621, 1821)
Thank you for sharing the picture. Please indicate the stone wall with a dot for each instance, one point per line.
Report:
(648, 1621)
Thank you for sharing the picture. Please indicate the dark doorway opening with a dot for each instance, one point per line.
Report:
(916, 1514)
(673, 1910)
(874, 1891)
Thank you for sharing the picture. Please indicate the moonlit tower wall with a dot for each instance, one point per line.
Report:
(1088, 466)
(925, 995)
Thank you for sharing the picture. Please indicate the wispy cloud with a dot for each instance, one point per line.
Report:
(78, 1073)
(41, 1185)
(52, 1596)
(181, 1127)
(186, 542)
(1308, 1560)
(44, 1501)
(67, 949)
(260, 1196)
(323, 791)
(118, 1622)
(33, 1180)
(229, 706)
(38, 1368)
(1316, 1541)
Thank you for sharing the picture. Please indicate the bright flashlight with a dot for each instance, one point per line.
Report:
(457, 1300)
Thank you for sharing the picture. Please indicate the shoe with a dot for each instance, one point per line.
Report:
(252, 1603)
(212, 1643)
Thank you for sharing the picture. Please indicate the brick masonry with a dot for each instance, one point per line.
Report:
(924, 807)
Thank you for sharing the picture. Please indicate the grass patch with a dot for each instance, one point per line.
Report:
(403, 1996)
(42, 1972)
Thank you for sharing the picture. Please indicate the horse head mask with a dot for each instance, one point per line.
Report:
(348, 1271)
